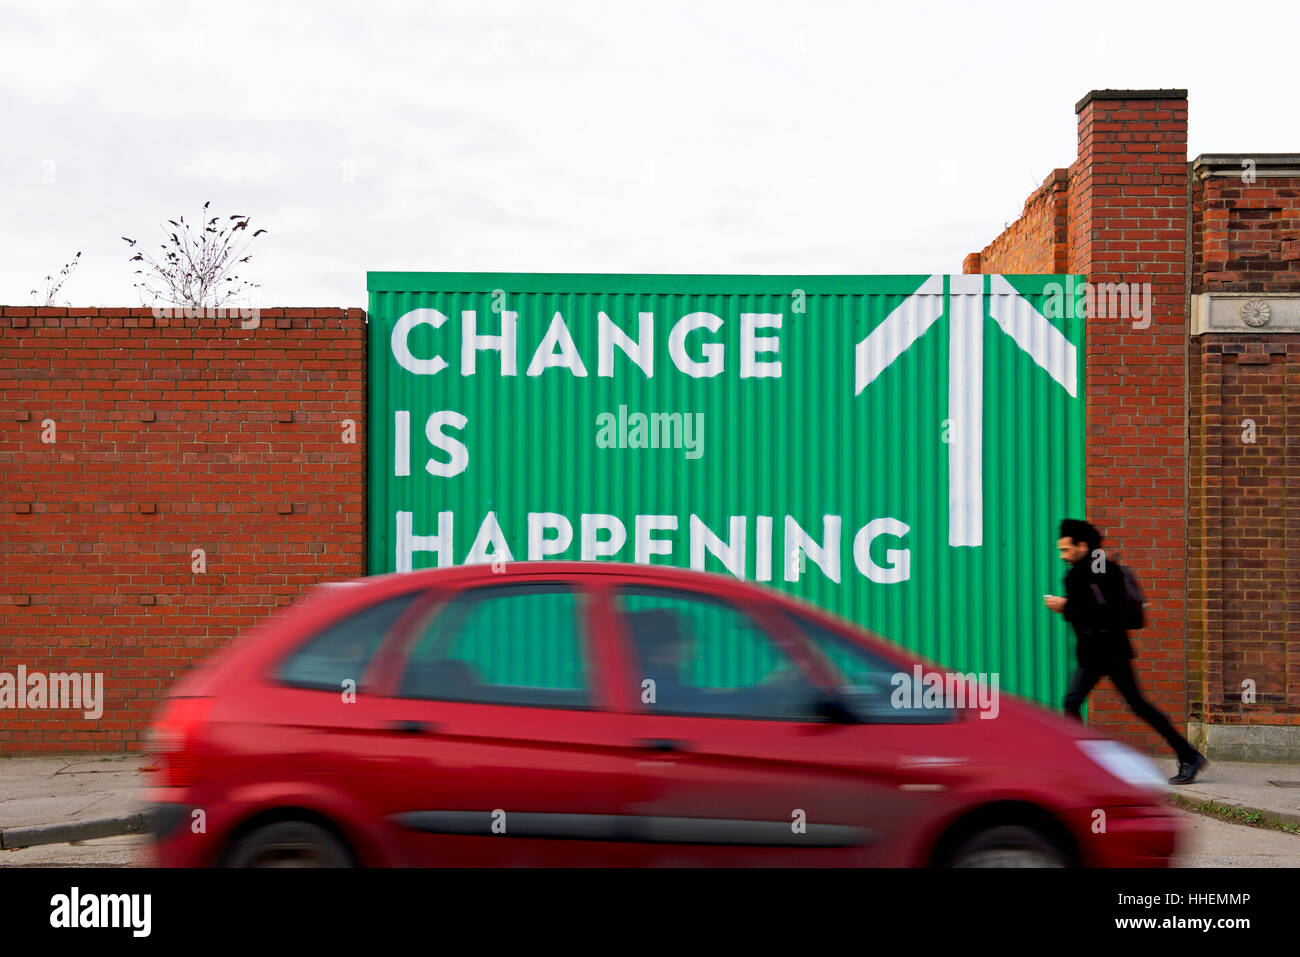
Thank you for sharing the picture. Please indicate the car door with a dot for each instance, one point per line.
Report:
(738, 764)
(501, 747)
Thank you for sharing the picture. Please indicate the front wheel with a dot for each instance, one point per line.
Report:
(1008, 846)
(289, 844)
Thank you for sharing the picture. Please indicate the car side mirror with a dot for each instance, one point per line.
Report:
(833, 709)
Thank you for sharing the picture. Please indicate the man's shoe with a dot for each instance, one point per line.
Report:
(1187, 770)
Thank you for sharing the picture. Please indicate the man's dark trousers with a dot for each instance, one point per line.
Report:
(1120, 672)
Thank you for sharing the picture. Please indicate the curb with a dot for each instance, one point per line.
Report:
(1268, 817)
(13, 838)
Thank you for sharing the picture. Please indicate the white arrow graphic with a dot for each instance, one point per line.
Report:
(1015, 316)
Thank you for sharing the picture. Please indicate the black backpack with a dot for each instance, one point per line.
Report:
(1135, 615)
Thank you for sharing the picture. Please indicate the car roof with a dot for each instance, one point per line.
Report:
(466, 576)
(462, 574)
(327, 601)
(334, 594)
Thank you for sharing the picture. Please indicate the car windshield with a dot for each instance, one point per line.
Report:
(874, 689)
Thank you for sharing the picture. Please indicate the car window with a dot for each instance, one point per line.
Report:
(504, 644)
(343, 650)
(874, 688)
(698, 655)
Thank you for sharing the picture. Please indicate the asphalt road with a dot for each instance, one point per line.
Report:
(1212, 843)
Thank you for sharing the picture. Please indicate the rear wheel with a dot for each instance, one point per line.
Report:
(289, 844)
(1008, 846)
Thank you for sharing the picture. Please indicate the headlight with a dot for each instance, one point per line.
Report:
(1131, 767)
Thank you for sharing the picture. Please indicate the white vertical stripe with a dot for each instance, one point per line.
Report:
(966, 410)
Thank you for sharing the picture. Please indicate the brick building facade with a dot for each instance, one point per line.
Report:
(1244, 407)
(1193, 458)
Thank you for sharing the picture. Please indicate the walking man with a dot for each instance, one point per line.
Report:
(1094, 604)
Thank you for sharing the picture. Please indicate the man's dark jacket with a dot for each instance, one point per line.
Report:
(1094, 605)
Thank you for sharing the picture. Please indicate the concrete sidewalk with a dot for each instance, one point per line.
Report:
(73, 789)
(1271, 790)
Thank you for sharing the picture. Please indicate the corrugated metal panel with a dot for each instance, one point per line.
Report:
(945, 408)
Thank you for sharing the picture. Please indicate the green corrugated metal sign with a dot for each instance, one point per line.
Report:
(897, 449)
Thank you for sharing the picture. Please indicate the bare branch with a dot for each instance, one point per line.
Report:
(53, 284)
(195, 265)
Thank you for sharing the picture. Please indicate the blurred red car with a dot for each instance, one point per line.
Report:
(617, 715)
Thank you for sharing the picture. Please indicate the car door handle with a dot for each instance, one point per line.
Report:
(413, 727)
(663, 745)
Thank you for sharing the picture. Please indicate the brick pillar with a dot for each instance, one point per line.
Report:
(1128, 224)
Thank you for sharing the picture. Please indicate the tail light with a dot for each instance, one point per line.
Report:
(177, 740)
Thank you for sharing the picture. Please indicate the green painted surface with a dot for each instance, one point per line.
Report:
(961, 439)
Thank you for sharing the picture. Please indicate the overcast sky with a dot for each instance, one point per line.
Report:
(694, 136)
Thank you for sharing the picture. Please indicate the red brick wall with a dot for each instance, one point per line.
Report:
(1118, 215)
(170, 435)
(1244, 589)
(1037, 242)
(1128, 224)
(1247, 235)
(1127, 197)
